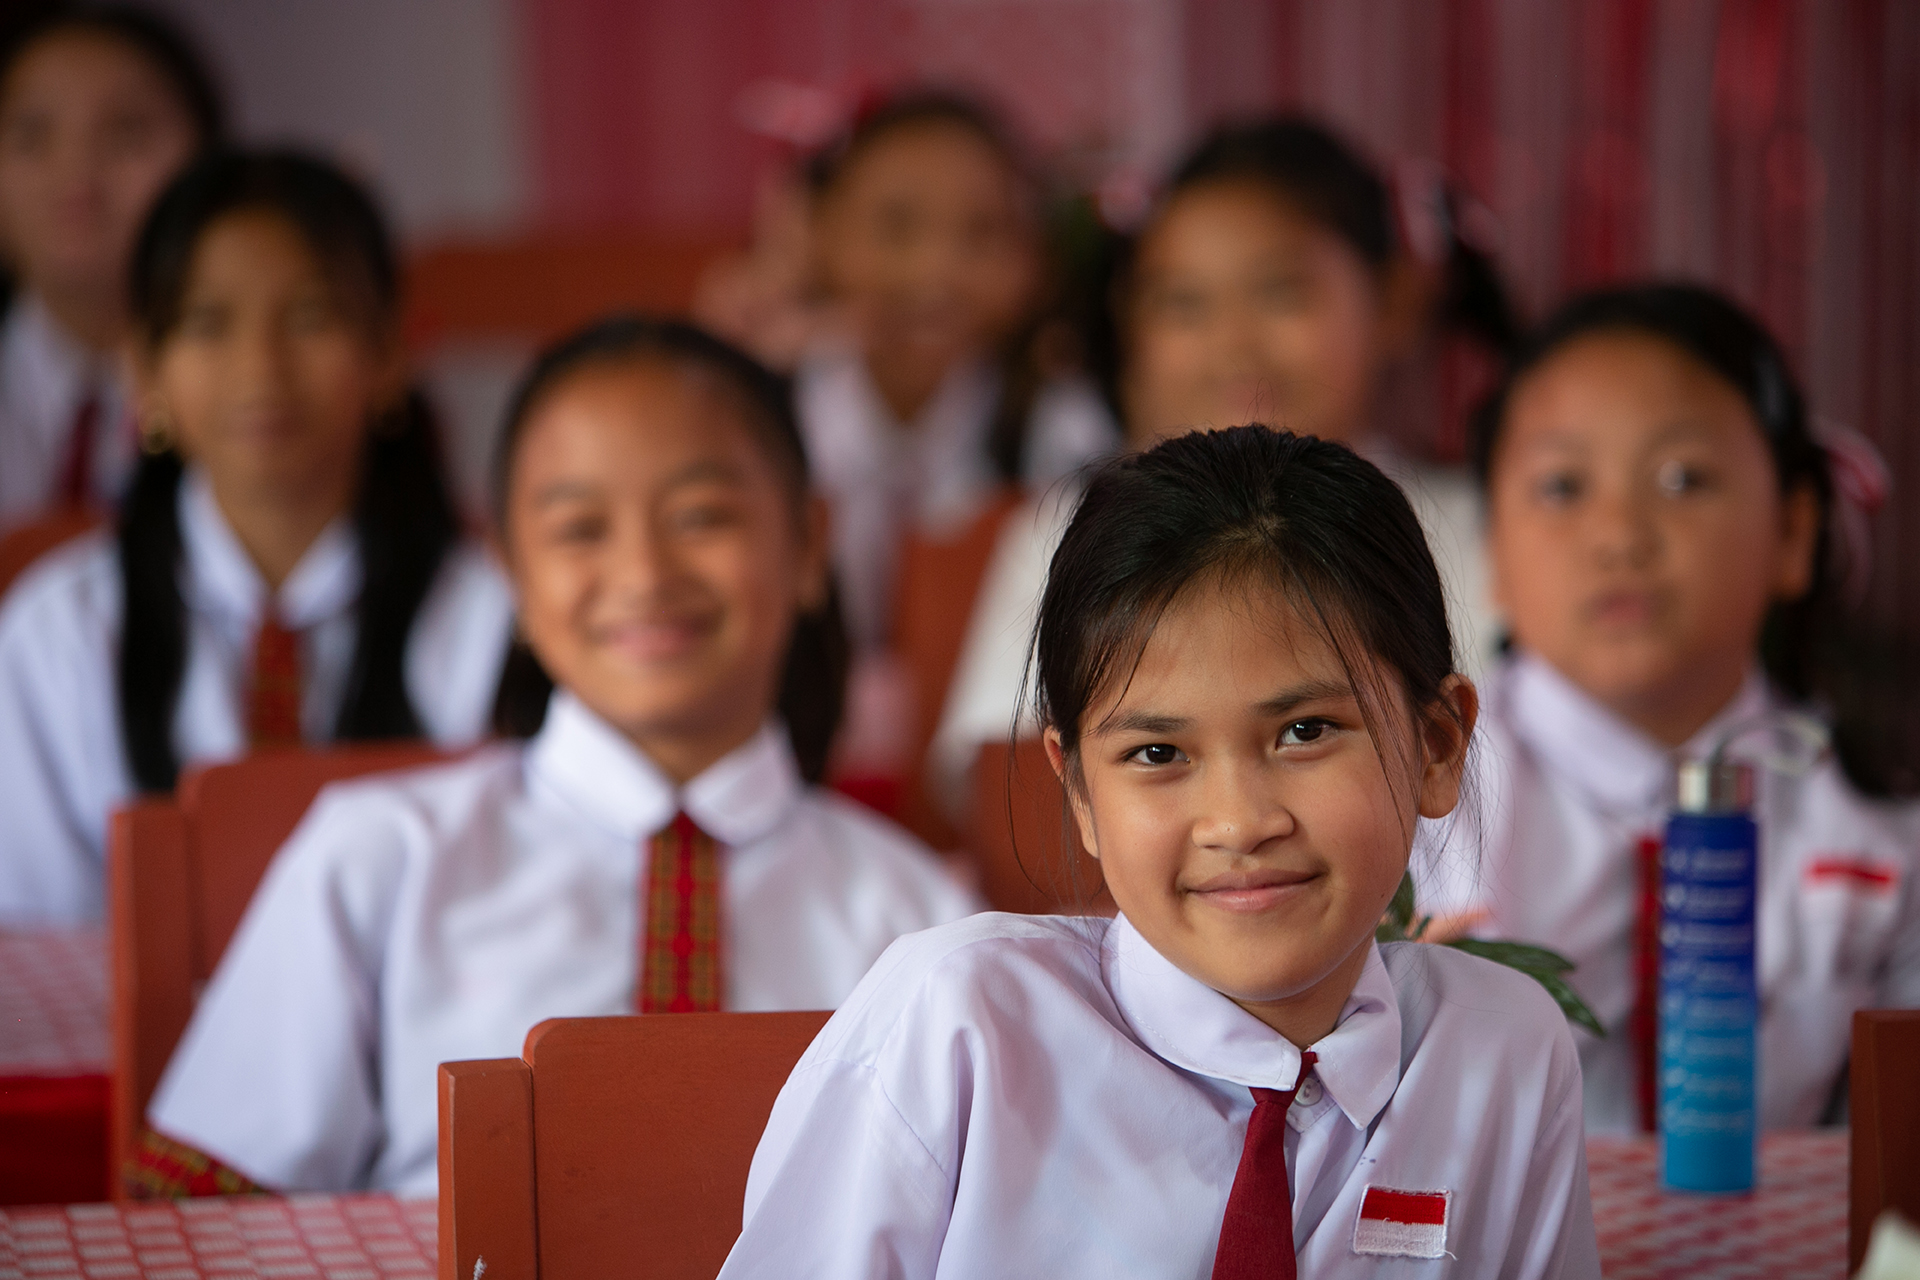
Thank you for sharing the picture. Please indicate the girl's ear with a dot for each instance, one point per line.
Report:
(816, 553)
(1076, 796)
(1446, 732)
(1408, 291)
(1799, 544)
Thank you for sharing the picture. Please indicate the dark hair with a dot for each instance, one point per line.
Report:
(1018, 360)
(1320, 175)
(403, 515)
(147, 33)
(1312, 518)
(1735, 346)
(813, 682)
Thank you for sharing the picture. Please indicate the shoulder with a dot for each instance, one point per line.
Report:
(965, 978)
(1464, 1004)
(68, 596)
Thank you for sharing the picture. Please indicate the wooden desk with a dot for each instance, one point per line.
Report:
(54, 1057)
(1795, 1224)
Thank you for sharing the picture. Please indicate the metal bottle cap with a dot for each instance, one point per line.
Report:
(1715, 786)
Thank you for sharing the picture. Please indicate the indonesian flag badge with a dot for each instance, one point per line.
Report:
(1402, 1224)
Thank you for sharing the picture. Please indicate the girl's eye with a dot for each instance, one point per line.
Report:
(1156, 753)
(1675, 478)
(579, 529)
(1557, 488)
(1303, 732)
(202, 322)
(702, 516)
(1284, 293)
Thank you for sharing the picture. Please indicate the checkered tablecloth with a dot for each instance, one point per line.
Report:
(53, 1003)
(322, 1237)
(1794, 1224)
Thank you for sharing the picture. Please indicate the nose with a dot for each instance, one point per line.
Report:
(1240, 806)
(1622, 526)
(640, 561)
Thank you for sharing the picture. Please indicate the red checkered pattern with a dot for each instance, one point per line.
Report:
(273, 701)
(1795, 1224)
(680, 962)
(53, 1003)
(322, 1237)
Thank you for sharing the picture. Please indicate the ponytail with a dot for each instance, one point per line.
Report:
(153, 625)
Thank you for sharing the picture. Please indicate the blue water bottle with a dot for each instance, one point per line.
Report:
(1709, 999)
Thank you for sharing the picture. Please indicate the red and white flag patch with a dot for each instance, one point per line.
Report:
(1402, 1224)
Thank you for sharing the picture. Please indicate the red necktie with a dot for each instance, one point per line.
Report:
(680, 952)
(1645, 1024)
(1256, 1236)
(76, 472)
(273, 703)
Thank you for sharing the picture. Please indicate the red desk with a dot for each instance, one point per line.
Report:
(1795, 1224)
(53, 1066)
(323, 1237)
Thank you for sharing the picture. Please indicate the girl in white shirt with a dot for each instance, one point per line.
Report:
(1272, 284)
(99, 107)
(930, 398)
(1657, 507)
(658, 845)
(288, 566)
(1249, 693)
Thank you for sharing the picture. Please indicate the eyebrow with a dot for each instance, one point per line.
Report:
(1280, 704)
(705, 471)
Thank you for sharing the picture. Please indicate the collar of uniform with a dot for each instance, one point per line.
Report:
(1603, 755)
(737, 800)
(221, 581)
(43, 364)
(1194, 1027)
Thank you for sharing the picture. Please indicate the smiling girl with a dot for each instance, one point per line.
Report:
(655, 847)
(1659, 515)
(288, 567)
(1248, 690)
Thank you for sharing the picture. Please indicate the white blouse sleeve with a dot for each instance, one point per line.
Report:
(62, 767)
(278, 1073)
(840, 1186)
(1556, 1200)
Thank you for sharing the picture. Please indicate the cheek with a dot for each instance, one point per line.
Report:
(1143, 836)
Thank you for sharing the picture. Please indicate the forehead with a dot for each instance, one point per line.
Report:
(926, 160)
(1625, 387)
(254, 249)
(80, 64)
(1232, 217)
(638, 422)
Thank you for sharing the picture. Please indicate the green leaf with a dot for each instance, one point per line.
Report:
(1544, 967)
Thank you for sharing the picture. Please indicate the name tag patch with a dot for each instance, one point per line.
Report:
(1402, 1224)
(1862, 875)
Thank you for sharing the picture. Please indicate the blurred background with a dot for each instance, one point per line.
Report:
(546, 159)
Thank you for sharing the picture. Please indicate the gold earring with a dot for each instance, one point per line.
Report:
(156, 431)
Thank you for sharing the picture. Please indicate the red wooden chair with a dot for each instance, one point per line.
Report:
(180, 873)
(1022, 832)
(611, 1147)
(1884, 1109)
(21, 545)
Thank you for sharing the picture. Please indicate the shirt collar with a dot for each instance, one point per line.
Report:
(1603, 755)
(221, 579)
(741, 798)
(1196, 1028)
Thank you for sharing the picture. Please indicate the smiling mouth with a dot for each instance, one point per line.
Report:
(1624, 608)
(1251, 892)
(657, 640)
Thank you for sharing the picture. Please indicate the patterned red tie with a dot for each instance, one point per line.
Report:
(680, 970)
(1644, 1026)
(1256, 1236)
(273, 703)
(76, 471)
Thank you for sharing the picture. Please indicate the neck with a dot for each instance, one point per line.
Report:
(685, 752)
(1309, 1016)
(1673, 714)
(276, 529)
(905, 381)
(93, 316)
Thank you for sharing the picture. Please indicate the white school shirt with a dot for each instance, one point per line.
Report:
(1548, 849)
(990, 674)
(438, 914)
(1045, 1096)
(63, 766)
(45, 376)
(883, 477)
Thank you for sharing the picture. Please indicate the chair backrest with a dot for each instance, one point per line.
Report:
(1884, 1110)
(935, 587)
(1021, 835)
(611, 1147)
(21, 545)
(180, 873)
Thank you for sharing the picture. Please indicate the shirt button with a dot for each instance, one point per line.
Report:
(1309, 1091)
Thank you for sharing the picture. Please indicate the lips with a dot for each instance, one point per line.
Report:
(1624, 607)
(653, 640)
(1255, 890)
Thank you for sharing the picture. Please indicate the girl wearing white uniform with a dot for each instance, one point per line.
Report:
(98, 109)
(1248, 690)
(1656, 500)
(288, 566)
(1270, 285)
(927, 235)
(657, 846)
